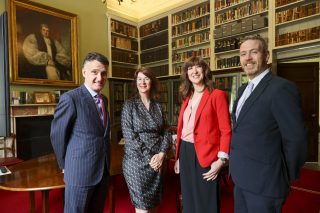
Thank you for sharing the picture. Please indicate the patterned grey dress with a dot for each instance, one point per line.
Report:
(145, 135)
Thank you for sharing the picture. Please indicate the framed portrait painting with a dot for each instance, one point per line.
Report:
(44, 45)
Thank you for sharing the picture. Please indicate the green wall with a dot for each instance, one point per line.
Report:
(92, 32)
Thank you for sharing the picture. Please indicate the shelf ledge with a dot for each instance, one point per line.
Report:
(297, 20)
(188, 20)
(232, 6)
(154, 34)
(190, 33)
(227, 22)
(190, 46)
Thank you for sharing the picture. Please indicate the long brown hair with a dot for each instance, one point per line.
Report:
(186, 87)
(154, 82)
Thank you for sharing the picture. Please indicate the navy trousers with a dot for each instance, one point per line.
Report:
(198, 194)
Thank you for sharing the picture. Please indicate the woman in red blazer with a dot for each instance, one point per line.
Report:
(203, 138)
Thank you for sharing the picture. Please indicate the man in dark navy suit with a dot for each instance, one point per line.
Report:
(80, 139)
(269, 140)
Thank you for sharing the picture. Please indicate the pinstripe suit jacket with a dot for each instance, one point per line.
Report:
(79, 140)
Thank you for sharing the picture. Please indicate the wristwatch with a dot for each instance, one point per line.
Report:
(224, 160)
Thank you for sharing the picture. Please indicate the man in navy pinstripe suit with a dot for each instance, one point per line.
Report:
(80, 139)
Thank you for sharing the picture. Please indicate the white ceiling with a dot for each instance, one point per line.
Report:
(143, 9)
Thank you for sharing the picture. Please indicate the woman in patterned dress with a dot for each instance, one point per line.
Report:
(146, 142)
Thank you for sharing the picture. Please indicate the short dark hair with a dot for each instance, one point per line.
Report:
(262, 41)
(91, 56)
(154, 82)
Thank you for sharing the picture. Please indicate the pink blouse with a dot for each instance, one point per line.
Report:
(189, 116)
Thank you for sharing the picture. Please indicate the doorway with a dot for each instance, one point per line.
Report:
(306, 77)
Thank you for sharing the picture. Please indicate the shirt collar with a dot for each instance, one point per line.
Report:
(93, 93)
(258, 78)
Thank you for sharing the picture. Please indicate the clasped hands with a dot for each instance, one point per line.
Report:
(156, 161)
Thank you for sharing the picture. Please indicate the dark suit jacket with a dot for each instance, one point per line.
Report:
(212, 126)
(79, 140)
(269, 142)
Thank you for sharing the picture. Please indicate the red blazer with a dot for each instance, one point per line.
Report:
(212, 128)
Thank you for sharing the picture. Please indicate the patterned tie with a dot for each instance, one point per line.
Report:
(100, 104)
(244, 97)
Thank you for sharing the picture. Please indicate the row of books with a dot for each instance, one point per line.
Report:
(162, 70)
(253, 7)
(223, 83)
(298, 12)
(228, 62)
(191, 13)
(245, 25)
(284, 2)
(124, 29)
(181, 57)
(163, 87)
(227, 44)
(164, 98)
(191, 40)
(221, 4)
(152, 42)
(126, 57)
(153, 27)
(118, 91)
(190, 27)
(123, 72)
(155, 55)
(177, 69)
(298, 36)
(124, 43)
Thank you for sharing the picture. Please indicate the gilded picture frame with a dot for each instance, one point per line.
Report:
(44, 45)
(42, 97)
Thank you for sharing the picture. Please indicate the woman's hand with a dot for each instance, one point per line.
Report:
(177, 167)
(156, 161)
(215, 167)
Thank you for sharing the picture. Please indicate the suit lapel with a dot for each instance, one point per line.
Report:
(105, 101)
(254, 95)
(202, 103)
(92, 105)
(234, 108)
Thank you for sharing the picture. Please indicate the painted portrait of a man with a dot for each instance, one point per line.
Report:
(44, 46)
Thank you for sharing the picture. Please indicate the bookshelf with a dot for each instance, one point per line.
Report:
(233, 20)
(154, 46)
(190, 36)
(296, 23)
(214, 31)
(176, 104)
(164, 92)
(120, 90)
(124, 49)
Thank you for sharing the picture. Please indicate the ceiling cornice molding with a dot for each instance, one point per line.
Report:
(144, 9)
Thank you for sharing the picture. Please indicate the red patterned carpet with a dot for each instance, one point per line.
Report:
(304, 197)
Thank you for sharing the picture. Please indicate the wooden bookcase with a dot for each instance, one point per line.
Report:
(234, 20)
(296, 23)
(154, 52)
(124, 49)
(212, 30)
(190, 35)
